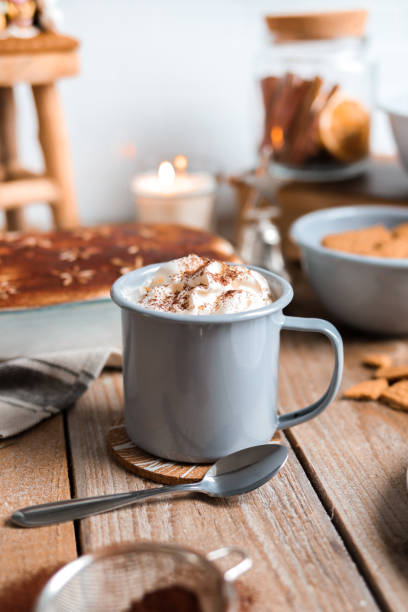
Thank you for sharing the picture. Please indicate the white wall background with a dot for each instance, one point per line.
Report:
(160, 78)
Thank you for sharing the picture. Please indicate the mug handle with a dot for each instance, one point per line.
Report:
(326, 328)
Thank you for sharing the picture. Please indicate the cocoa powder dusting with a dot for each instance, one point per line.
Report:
(169, 599)
(179, 301)
(224, 297)
(246, 595)
(191, 273)
(226, 275)
(202, 285)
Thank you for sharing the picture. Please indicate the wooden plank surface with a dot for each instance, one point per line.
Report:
(356, 454)
(33, 470)
(300, 562)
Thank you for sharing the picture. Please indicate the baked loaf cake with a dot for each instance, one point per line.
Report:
(41, 269)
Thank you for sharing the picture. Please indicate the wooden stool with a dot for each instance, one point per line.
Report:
(38, 61)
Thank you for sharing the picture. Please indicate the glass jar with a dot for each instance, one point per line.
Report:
(316, 86)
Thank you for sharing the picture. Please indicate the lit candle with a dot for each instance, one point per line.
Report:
(175, 196)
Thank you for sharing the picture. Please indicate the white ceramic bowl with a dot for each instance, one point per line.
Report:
(370, 293)
(398, 115)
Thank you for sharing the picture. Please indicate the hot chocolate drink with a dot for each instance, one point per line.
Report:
(200, 286)
(192, 374)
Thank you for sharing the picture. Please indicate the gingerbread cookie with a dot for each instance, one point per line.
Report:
(376, 360)
(396, 396)
(396, 248)
(366, 390)
(359, 242)
(392, 373)
(401, 231)
(375, 241)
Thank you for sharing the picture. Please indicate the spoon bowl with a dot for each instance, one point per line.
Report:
(244, 470)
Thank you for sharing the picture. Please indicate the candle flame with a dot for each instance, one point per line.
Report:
(166, 174)
(180, 162)
(277, 137)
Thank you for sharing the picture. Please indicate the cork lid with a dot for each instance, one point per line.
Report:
(317, 26)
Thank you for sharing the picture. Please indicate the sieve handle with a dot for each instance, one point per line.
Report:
(72, 509)
(236, 570)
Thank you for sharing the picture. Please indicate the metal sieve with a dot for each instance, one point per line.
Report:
(110, 579)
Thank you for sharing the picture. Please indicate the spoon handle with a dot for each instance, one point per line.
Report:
(71, 509)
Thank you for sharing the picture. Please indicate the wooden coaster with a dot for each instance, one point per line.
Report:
(148, 466)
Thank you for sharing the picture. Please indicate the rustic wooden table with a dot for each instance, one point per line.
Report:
(330, 532)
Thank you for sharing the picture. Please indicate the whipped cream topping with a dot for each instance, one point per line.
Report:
(197, 285)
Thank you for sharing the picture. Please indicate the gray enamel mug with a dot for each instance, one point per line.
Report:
(198, 387)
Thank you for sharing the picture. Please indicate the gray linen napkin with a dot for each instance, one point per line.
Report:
(35, 388)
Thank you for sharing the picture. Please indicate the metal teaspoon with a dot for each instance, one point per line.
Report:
(234, 474)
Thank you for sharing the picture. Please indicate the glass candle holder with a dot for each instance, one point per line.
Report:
(167, 196)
